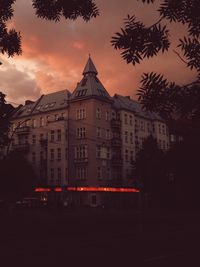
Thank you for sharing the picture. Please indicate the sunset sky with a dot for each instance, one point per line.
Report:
(54, 54)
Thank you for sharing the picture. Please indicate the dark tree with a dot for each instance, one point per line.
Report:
(149, 166)
(17, 176)
(54, 10)
(10, 40)
(138, 42)
(6, 111)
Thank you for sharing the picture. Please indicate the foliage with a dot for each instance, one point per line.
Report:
(137, 42)
(148, 165)
(10, 40)
(54, 10)
(5, 113)
(17, 176)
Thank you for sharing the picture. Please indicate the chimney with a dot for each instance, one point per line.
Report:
(28, 102)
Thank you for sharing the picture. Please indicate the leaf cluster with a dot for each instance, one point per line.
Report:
(171, 101)
(5, 113)
(138, 42)
(55, 9)
(10, 40)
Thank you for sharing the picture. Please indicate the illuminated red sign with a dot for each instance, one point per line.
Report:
(103, 189)
(90, 189)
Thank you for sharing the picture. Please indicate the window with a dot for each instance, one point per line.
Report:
(108, 153)
(108, 174)
(108, 134)
(98, 129)
(58, 175)
(28, 123)
(26, 139)
(66, 153)
(131, 138)
(142, 126)
(81, 152)
(160, 144)
(52, 174)
(153, 127)
(52, 137)
(125, 119)
(59, 135)
(41, 121)
(131, 120)
(126, 137)
(148, 127)
(81, 132)
(41, 136)
(52, 154)
(98, 151)
(33, 157)
(159, 128)
(34, 124)
(126, 155)
(41, 156)
(136, 125)
(80, 114)
(33, 139)
(59, 153)
(98, 113)
(99, 173)
(51, 105)
(107, 115)
(163, 129)
(56, 117)
(81, 173)
(131, 156)
(164, 144)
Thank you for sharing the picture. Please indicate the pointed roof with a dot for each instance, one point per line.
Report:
(90, 85)
(90, 67)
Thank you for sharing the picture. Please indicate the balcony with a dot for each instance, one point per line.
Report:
(22, 130)
(43, 142)
(116, 142)
(21, 147)
(117, 161)
(115, 124)
(81, 160)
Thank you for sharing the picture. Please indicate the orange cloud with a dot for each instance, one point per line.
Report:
(60, 50)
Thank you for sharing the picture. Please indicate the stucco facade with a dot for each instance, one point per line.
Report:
(86, 138)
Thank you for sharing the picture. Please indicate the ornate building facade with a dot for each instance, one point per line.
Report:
(85, 138)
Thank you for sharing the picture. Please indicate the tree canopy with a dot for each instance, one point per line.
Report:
(5, 113)
(54, 10)
(138, 42)
(17, 176)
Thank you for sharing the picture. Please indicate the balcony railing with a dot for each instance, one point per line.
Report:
(21, 147)
(23, 130)
(116, 142)
(117, 161)
(43, 142)
(115, 123)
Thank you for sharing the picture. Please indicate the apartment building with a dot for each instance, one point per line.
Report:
(85, 138)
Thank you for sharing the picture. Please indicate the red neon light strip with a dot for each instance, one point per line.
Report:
(58, 189)
(103, 189)
(40, 189)
(90, 189)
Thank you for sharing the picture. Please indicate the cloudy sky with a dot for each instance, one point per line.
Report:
(54, 54)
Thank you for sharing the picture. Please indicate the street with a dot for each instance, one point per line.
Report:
(98, 237)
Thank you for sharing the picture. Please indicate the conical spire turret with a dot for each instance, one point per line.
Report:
(90, 67)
